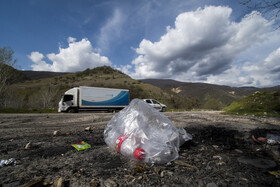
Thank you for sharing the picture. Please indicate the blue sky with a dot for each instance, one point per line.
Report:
(212, 41)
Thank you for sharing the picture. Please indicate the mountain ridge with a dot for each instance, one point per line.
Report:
(47, 87)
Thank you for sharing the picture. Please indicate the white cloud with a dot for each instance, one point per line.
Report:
(112, 30)
(76, 57)
(124, 68)
(265, 73)
(71, 39)
(39, 63)
(201, 47)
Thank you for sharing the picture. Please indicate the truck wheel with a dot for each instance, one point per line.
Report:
(163, 109)
(111, 111)
(72, 110)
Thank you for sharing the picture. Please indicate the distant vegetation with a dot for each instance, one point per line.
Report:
(259, 103)
(203, 96)
(30, 91)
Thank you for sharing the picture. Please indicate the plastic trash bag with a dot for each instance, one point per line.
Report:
(142, 133)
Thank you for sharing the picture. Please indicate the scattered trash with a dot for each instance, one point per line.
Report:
(257, 162)
(8, 162)
(273, 139)
(142, 133)
(259, 140)
(275, 173)
(262, 137)
(81, 145)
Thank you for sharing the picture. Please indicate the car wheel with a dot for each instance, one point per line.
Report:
(163, 109)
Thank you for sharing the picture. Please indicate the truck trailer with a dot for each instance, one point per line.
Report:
(93, 98)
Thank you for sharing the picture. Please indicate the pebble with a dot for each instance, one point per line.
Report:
(168, 164)
(215, 147)
(94, 183)
(28, 145)
(110, 183)
(88, 129)
(211, 185)
(238, 151)
(170, 173)
(257, 162)
(55, 133)
(35, 182)
(58, 182)
(217, 157)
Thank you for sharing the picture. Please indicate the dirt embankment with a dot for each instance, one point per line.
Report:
(220, 154)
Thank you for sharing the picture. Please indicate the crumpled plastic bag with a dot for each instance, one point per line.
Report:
(142, 133)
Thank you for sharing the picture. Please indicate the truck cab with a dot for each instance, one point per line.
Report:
(157, 105)
(68, 101)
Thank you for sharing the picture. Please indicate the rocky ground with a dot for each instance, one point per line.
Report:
(221, 153)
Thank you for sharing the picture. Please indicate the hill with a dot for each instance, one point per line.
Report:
(11, 75)
(32, 75)
(44, 89)
(210, 96)
(46, 92)
(259, 103)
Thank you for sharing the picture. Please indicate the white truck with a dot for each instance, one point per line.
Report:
(93, 98)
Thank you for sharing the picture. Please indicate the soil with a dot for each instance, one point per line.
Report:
(222, 152)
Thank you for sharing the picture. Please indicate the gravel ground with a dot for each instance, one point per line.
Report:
(221, 153)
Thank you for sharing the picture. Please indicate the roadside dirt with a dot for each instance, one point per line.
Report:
(221, 153)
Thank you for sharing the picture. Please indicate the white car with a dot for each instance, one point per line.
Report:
(157, 105)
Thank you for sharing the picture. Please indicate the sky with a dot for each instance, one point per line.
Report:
(211, 41)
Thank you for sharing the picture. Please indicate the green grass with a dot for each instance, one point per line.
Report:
(28, 110)
(260, 103)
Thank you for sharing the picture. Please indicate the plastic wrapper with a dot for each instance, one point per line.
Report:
(8, 162)
(81, 146)
(142, 133)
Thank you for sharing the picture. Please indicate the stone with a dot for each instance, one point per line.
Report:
(110, 183)
(55, 133)
(257, 162)
(88, 129)
(211, 185)
(35, 182)
(238, 151)
(58, 182)
(94, 183)
(28, 145)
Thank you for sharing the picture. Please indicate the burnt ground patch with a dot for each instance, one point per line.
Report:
(211, 158)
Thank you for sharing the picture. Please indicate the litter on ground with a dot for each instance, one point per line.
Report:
(81, 145)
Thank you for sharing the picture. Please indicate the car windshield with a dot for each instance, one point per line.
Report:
(156, 102)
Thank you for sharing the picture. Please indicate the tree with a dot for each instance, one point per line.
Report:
(47, 95)
(269, 8)
(6, 63)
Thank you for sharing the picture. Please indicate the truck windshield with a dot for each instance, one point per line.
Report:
(67, 98)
